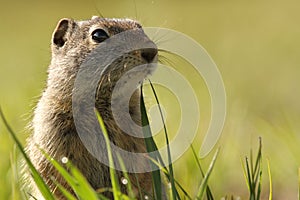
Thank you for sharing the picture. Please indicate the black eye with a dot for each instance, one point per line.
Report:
(99, 35)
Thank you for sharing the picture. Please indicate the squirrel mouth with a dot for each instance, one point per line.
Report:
(122, 75)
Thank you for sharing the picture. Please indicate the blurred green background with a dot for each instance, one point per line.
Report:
(256, 45)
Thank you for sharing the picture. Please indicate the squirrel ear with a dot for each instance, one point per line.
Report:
(59, 35)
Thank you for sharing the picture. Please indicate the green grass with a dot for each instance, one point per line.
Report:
(82, 189)
(174, 193)
(151, 147)
(112, 171)
(43, 188)
(253, 174)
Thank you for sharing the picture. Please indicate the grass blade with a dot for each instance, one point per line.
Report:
(258, 157)
(251, 171)
(299, 183)
(103, 197)
(270, 180)
(151, 147)
(129, 186)
(258, 169)
(171, 173)
(209, 195)
(252, 190)
(245, 174)
(42, 186)
(138, 186)
(204, 182)
(253, 174)
(259, 180)
(86, 191)
(165, 171)
(112, 171)
(15, 184)
(64, 191)
(75, 179)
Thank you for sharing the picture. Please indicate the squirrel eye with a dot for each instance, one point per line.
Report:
(99, 35)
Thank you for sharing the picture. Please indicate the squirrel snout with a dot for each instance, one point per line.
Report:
(149, 54)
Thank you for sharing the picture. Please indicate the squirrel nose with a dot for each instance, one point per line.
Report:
(149, 54)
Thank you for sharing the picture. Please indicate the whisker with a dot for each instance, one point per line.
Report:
(163, 59)
(97, 9)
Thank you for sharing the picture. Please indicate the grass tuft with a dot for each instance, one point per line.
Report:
(209, 195)
(204, 183)
(174, 193)
(74, 178)
(253, 173)
(252, 170)
(42, 186)
(151, 147)
(112, 171)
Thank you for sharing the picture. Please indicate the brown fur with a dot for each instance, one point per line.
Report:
(53, 125)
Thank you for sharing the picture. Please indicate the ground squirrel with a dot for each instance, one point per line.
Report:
(53, 124)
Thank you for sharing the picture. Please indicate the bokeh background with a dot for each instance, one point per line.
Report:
(256, 45)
